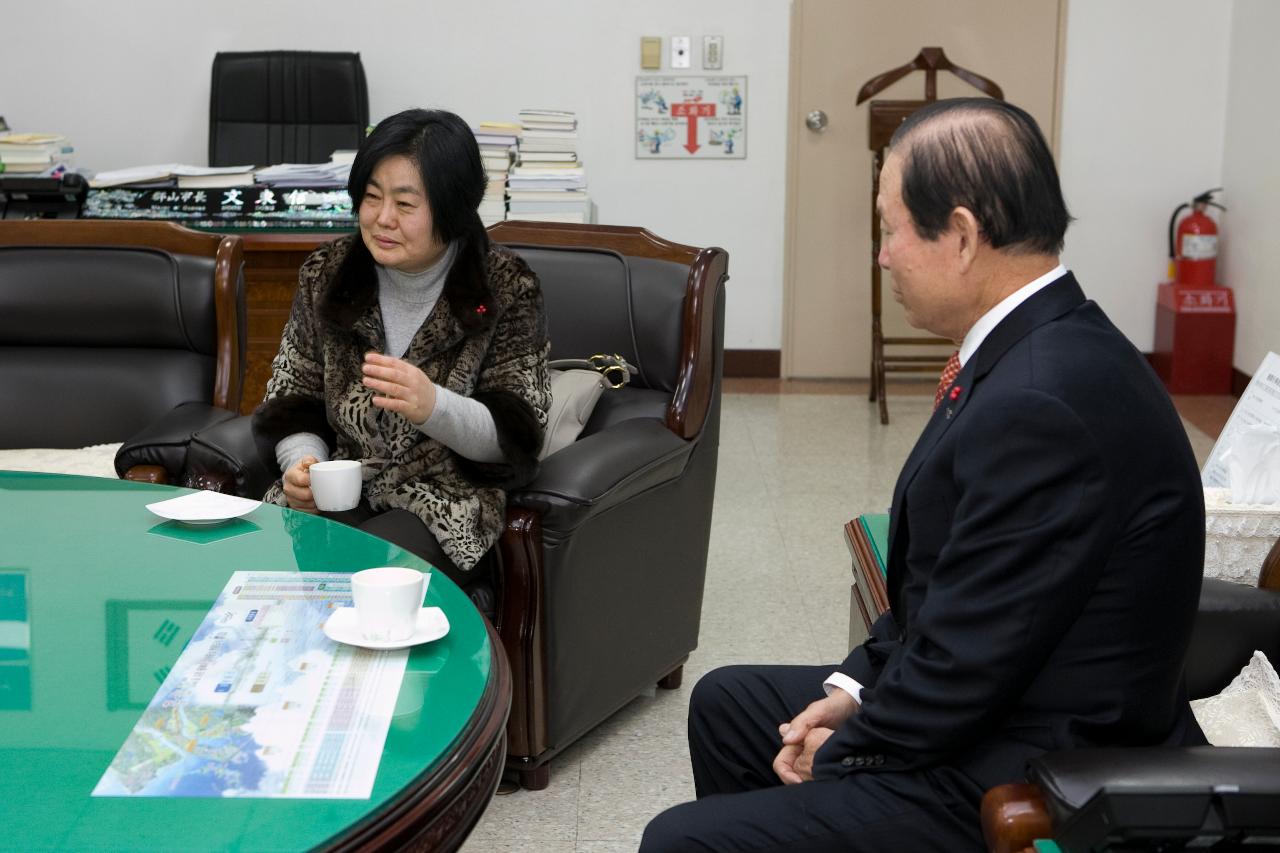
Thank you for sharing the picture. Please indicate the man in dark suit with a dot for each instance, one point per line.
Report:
(1045, 546)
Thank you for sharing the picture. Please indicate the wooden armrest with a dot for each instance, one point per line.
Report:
(520, 627)
(1013, 816)
(147, 474)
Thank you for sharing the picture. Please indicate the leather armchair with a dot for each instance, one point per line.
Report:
(1085, 799)
(602, 561)
(118, 331)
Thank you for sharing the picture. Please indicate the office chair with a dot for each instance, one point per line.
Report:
(285, 106)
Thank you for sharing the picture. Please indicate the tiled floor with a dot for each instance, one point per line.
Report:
(797, 460)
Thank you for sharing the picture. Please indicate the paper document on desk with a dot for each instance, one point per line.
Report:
(262, 704)
(1255, 415)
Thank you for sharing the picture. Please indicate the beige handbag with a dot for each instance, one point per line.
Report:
(576, 386)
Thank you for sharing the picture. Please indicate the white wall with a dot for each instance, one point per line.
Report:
(1142, 131)
(1144, 107)
(1250, 260)
(129, 83)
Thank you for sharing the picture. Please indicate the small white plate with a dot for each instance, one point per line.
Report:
(204, 508)
(344, 627)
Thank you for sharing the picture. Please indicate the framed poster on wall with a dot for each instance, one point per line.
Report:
(689, 117)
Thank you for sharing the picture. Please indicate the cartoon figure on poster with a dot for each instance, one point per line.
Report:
(723, 137)
(655, 138)
(732, 100)
(653, 100)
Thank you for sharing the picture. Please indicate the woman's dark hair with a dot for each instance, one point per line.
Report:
(990, 157)
(448, 159)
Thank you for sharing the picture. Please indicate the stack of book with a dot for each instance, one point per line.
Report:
(548, 136)
(32, 153)
(497, 141)
(549, 184)
(214, 177)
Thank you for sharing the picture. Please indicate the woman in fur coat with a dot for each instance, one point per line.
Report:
(417, 347)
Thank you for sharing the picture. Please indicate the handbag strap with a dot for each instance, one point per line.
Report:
(616, 370)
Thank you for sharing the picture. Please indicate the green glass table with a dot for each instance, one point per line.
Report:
(98, 597)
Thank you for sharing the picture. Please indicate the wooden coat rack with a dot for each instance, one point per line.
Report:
(885, 117)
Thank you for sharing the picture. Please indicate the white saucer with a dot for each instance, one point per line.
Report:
(204, 508)
(344, 627)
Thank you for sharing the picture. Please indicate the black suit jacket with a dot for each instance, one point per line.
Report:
(1045, 554)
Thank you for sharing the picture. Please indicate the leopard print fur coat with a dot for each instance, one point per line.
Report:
(316, 386)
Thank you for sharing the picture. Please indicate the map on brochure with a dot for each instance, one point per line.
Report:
(262, 704)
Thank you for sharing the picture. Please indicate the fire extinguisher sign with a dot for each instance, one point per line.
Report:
(1215, 300)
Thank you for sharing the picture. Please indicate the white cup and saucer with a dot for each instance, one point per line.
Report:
(388, 611)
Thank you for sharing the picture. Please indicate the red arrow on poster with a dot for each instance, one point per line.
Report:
(691, 111)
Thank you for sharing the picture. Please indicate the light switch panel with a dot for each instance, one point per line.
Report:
(680, 51)
(651, 53)
(713, 52)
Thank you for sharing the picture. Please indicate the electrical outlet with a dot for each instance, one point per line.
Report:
(713, 52)
(680, 51)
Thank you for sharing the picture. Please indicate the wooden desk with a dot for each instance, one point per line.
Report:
(271, 262)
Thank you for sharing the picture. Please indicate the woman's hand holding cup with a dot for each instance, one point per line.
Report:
(399, 387)
(297, 485)
(332, 486)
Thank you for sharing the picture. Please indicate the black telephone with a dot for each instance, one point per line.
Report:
(24, 197)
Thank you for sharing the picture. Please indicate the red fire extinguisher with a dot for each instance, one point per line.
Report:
(1193, 250)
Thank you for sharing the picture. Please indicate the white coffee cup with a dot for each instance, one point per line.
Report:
(335, 484)
(388, 601)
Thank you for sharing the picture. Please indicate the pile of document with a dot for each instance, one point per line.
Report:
(331, 174)
(175, 175)
(167, 175)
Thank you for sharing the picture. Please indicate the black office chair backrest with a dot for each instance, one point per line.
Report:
(285, 106)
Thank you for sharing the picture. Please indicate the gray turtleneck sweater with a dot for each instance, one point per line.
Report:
(460, 423)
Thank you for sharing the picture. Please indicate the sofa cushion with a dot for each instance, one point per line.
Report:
(1247, 711)
(95, 461)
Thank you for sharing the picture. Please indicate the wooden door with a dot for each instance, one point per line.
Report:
(836, 46)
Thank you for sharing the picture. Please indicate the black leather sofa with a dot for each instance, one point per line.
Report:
(118, 331)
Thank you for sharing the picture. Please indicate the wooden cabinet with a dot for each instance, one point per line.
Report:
(271, 263)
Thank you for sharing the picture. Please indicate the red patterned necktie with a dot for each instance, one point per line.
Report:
(949, 374)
